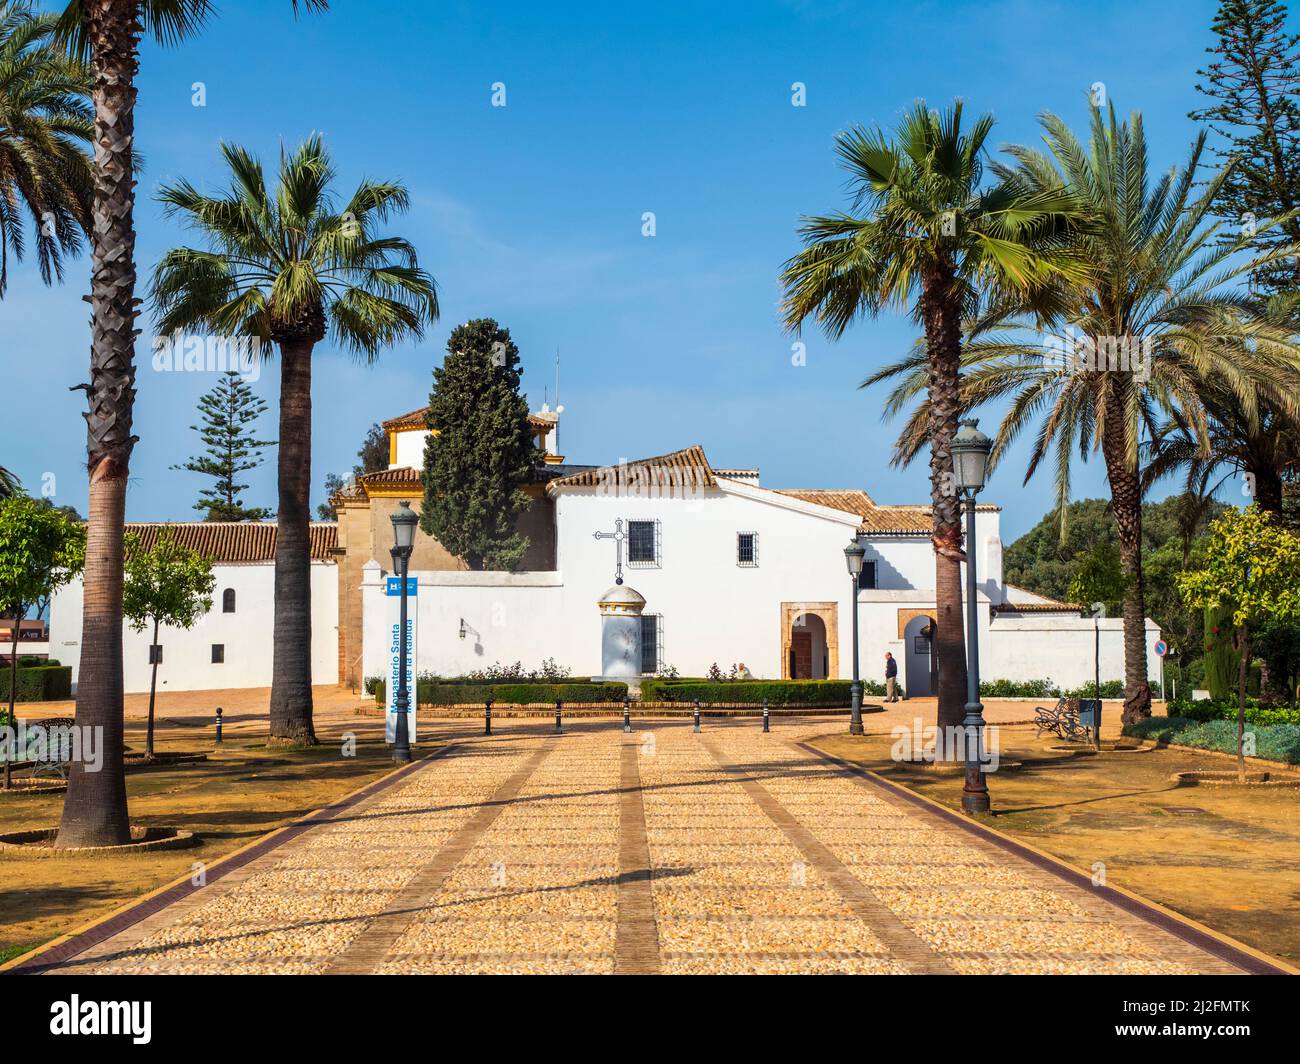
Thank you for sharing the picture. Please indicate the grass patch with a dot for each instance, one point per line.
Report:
(1276, 742)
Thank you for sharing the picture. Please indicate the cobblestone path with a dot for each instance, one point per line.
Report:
(660, 851)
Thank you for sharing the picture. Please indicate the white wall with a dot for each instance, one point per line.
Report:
(713, 610)
(187, 655)
(410, 449)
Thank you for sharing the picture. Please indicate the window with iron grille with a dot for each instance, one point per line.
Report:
(867, 578)
(155, 653)
(218, 653)
(652, 634)
(747, 548)
(643, 542)
(228, 600)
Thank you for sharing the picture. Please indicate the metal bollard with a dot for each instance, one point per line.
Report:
(767, 717)
(558, 728)
(627, 715)
(218, 724)
(487, 717)
(697, 715)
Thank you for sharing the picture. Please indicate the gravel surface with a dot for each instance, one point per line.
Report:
(751, 843)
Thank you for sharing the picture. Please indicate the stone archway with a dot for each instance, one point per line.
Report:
(919, 664)
(810, 630)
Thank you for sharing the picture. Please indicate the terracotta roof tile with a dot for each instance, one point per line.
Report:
(235, 541)
(686, 469)
(1036, 607)
(885, 520)
(417, 419)
(401, 477)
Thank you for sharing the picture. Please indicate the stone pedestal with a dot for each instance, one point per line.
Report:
(620, 636)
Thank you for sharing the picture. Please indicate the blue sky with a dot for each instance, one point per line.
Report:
(532, 213)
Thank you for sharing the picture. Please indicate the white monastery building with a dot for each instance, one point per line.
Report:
(732, 571)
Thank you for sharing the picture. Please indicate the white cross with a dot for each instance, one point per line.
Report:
(618, 535)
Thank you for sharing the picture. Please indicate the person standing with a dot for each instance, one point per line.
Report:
(891, 678)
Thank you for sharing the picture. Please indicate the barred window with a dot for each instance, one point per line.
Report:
(218, 653)
(867, 578)
(651, 642)
(642, 542)
(228, 600)
(155, 653)
(747, 548)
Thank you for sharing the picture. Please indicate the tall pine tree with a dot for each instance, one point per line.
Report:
(482, 449)
(1253, 86)
(230, 449)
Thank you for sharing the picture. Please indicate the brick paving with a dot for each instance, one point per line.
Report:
(662, 851)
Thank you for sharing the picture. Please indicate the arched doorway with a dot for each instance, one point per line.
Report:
(920, 666)
(809, 653)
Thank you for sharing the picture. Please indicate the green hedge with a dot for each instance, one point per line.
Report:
(1226, 709)
(777, 692)
(1277, 742)
(1048, 689)
(43, 683)
(438, 693)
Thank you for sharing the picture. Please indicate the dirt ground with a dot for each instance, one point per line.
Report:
(1225, 856)
(241, 792)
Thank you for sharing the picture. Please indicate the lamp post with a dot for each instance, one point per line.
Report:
(970, 459)
(853, 555)
(404, 522)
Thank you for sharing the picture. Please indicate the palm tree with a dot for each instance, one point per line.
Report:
(1265, 446)
(45, 131)
(926, 233)
(107, 34)
(1156, 321)
(289, 268)
(8, 483)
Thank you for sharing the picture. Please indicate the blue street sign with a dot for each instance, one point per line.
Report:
(393, 585)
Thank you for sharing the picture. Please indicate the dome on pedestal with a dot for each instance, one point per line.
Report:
(622, 599)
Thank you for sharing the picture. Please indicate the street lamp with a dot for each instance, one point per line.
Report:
(404, 522)
(970, 459)
(853, 555)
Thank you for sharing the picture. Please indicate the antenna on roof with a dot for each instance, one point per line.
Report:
(557, 375)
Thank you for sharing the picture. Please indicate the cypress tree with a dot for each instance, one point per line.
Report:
(481, 450)
(1252, 86)
(230, 449)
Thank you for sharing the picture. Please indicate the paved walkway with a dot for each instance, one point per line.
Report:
(659, 851)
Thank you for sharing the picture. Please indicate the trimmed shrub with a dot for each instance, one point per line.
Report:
(442, 693)
(1047, 689)
(777, 692)
(1277, 742)
(1226, 709)
(40, 683)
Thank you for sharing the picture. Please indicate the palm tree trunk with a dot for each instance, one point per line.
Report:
(153, 687)
(943, 341)
(1126, 508)
(95, 811)
(1268, 488)
(291, 704)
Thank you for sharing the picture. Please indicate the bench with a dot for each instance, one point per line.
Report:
(1062, 720)
(57, 747)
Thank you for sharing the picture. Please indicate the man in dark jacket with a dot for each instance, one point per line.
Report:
(891, 678)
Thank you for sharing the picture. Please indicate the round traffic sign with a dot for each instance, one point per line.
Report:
(1162, 648)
